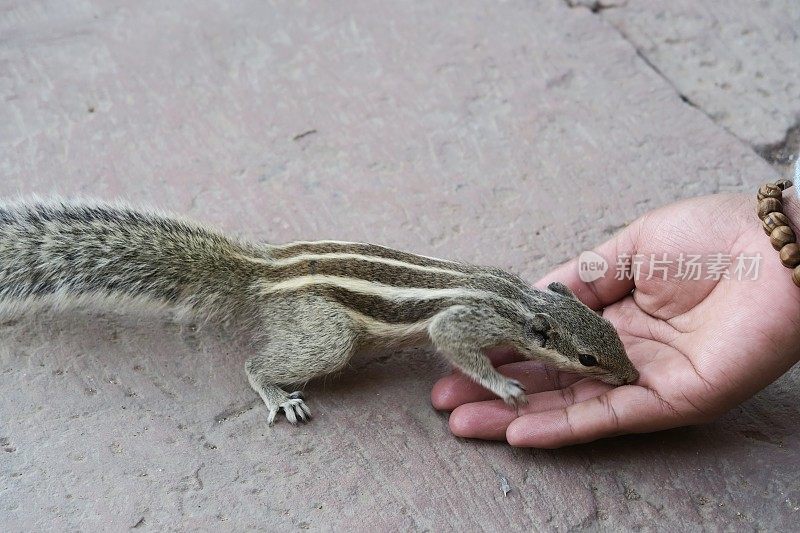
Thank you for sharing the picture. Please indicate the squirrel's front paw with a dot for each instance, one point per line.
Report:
(294, 408)
(513, 393)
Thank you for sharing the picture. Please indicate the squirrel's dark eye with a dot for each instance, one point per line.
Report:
(587, 360)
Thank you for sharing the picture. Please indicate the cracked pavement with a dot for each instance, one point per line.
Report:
(736, 62)
(486, 132)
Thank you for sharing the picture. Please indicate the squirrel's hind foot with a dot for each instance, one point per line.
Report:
(277, 399)
(294, 408)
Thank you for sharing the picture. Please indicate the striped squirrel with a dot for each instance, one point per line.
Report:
(310, 304)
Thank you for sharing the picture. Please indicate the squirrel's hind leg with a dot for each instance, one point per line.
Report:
(306, 337)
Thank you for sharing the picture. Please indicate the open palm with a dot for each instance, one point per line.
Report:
(701, 345)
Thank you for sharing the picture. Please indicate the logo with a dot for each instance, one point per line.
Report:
(591, 266)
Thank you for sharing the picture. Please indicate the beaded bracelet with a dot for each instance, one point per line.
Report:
(776, 225)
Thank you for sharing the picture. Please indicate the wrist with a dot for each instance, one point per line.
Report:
(773, 204)
(778, 278)
(791, 207)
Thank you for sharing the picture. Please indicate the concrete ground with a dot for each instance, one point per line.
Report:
(513, 133)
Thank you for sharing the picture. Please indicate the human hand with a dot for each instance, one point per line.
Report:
(701, 346)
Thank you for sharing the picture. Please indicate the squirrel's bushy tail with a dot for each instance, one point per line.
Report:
(60, 252)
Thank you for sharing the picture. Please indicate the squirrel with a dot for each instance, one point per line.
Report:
(311, 305)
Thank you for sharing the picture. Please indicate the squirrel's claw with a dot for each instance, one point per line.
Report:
(514, 393)
(294, 408)
(271, 417)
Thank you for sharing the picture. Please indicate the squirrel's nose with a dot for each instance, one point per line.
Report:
(634, 375)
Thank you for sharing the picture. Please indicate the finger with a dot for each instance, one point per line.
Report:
(607, 289)
(627, 409)
(486, 420)
(561, 398)
(490, 419)
(503, 356)
(457, 389)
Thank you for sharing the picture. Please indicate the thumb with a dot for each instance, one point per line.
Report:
(614, 283)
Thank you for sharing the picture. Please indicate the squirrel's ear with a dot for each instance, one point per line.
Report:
(560, 288)
(544, 323)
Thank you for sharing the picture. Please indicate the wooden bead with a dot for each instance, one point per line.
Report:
(783, 184)
(781, 236)
(790, 255)
(774, 220)
(796, 275)
(768, 205)
(770, 190)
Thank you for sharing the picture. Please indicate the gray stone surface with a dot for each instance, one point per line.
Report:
(737, 60)
(515, 134)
